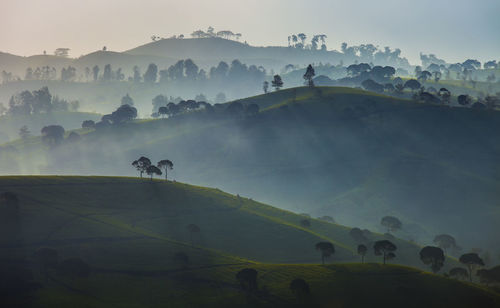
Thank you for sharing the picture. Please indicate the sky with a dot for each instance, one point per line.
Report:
(453, 30)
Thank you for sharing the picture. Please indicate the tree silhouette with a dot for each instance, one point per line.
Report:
(433, 256)
(327, 249)
(52, 135)
(153, 170)
(192, 228)
(265, 86)
(472, 261)
(277, 83)
(151, 73)
(383, 248)
(309, 75)
(127, 100)
(391, 223)
(412, 84)
(141, 164)
(300, 288)
(166, 165)
(247, 278)
(362, 249)
(445, 241)
(24, 132)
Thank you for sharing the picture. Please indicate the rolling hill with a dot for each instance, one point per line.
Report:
(128, 230)
(341, 152)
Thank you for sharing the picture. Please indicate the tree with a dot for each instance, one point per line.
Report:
(424, 76)
(433, 256)
(137, 74)
(61, 52)
(107, 75)
(220, 98)
(247, 278)
(265, 86)
(95, 72)
(151, 73)
(362, 249)
(46, 258)
(300, 288)
(163, 111)
(309, 75)
(127, 100)
(122, 114)
(24, 132)
(464, 100)
(141, 164)
(73, 137)
(165, 164)
(373, 86)
(445, 95)
(52, 135)
(445, 241)
(192, 228)
(412, 84)
(327, 249)
(358, 235)
(459, 273)
(383, 248)
(391, 223)
(88, 124)
(277, 83)
(472, 261)
(152, 170)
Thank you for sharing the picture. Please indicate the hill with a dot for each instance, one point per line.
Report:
(128, 231)
(340, 152)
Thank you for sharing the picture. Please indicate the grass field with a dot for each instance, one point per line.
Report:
(128, 230)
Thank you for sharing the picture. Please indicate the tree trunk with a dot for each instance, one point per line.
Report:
(384, 258)
(323, 259)
(165, 174)
(470, 272)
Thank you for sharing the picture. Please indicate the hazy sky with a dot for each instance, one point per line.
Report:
(453, 30)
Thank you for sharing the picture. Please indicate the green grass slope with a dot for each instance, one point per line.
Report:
(73, 209)
(343, 152)
(128, 230)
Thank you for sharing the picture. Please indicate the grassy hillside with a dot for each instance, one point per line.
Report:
(128, 230)
(341, 152)
(81, 208)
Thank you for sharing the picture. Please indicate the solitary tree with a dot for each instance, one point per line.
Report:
(153, 170)
(277, 83)
(327, 249)
(472, 261)
(265, 86)
(88, 124)
(309, 75)
(247, 278)
(141, 164)
(433, 256)
(358, 235)
(383, 248)
(464, 100)
(192, 229)
(165, 165)
(391, 223)
(362, 249)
